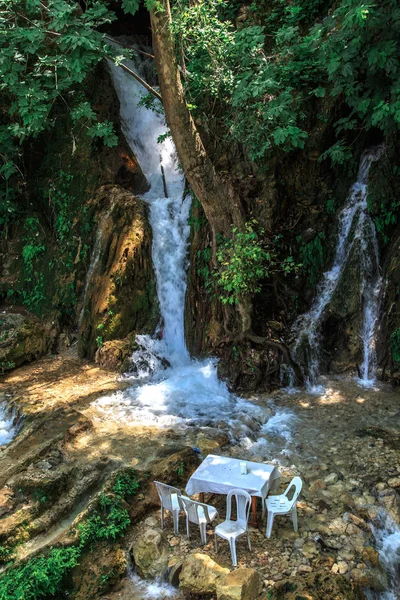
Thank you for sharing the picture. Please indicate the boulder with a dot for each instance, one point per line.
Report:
(200, 574)
(150, 553)
(23, 338)
(241, 584)
(390, 500)
(316, 586)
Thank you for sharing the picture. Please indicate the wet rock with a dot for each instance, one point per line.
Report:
(176, 468)
(44, 465)
(200, 574)
(390, 501)
(331, 478)
(241, 584)
(394, 482)
(317, 586)
(174, 569)
(150, 553)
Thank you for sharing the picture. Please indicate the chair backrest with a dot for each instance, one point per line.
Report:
(243, 502)
(192, 510)
(165, 492)
(297, 484)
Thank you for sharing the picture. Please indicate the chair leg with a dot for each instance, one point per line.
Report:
(294, 518)
(232, 544)
(203, 534)
(264, 508)
(270, 522)
(216, 543)
(187, 527)
(175, 517)
(162, 517)
(248, 540)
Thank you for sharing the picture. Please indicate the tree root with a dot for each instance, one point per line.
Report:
(264, 341)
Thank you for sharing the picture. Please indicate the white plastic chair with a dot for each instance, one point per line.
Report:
(170, 498)
(200, 514)
(231, 530)
(281, 505)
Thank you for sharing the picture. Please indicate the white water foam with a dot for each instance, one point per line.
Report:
(188, 392)
(8, 429)
(387, 541)
(146, 590)
(356, 228)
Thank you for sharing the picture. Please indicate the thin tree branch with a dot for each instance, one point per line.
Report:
(142, 81)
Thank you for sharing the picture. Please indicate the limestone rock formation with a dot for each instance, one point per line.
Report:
(241, 584)
(200, 574)
(23, 338)
(121, 294)
(150, 553)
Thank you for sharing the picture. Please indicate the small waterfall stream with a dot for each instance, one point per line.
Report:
(8, 424)
(94, 260)
(387, 540)
(356, 231)
(187, 392)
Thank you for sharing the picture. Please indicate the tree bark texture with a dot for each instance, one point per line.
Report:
(220, 201)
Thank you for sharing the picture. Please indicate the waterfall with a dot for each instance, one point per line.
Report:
(94, 259)
(387, 540)
(187, 392)
(356, 229)
(8, 424)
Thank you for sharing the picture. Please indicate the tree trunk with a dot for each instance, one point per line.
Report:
(220, 201)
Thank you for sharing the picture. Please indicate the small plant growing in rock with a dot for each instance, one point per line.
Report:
(125, 484)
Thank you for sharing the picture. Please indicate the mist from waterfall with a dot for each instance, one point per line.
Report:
(186, 392)
(356, 232)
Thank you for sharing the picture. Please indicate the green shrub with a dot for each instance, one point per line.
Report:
(45, 576)
(395, 344)
(245, 260)
(125, 484)
(312, 256)
(40, 577)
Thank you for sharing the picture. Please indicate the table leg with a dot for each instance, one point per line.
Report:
(253, 517)
(201, 497)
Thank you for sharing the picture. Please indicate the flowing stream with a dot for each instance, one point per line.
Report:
(387, 540)
(356, 231)
(8, 424)
(186, 392)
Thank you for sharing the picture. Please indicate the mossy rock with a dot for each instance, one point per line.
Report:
(23, 338)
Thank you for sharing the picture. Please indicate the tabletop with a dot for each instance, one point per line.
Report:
(221, 474)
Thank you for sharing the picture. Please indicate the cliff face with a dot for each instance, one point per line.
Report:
(121, 296)
(298, 202)
(72, 182)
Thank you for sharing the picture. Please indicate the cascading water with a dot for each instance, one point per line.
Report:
(8, 425)
(356, 229)
(387, 540)
(188, 392)
(94, 259)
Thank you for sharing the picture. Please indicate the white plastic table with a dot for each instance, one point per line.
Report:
(221, 474)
